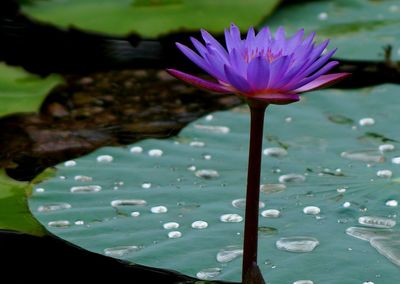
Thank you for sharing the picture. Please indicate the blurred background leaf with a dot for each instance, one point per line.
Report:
(359, 28)
(150, 18)
(21, 91)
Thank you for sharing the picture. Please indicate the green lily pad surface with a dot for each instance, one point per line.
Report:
(359, 28)
(21, 91)
(148, 17)
(329, 194)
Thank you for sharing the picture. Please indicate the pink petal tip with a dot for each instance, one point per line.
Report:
(322, 82)
(198, 82)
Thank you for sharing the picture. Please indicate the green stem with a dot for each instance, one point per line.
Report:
(257, 111)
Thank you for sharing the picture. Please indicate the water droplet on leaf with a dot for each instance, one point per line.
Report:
(311, 210)
(40, 190)
(171, 225)
(271, 213)
(85, 188)
(53, 207)
(241, 203)
(291, 178)
(128, 202)
(391, 203)
(366, 121)
(303, 282)
(59, 224)
(159, 209)
(388, 247)
(104, 159)
(207, 174)
(323, 16)
(384, 173)
(70, 163)
(120, 251)
(136, 150)
(275, 152)
(386, 147)
(363, 156)
(297, 244)
(376, 222)
(135, 214)
(231, 218)
(155, 153)
(174, 234)
(272, 187)
(146, 185)
(229, 253)
(213, 129)
(208, 273)
(366, 234)
(83, 178)
(199, 224)
(198, 144)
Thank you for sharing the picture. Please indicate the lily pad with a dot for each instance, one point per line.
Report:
(14, 211)
(21, 91)
(178, 203)
(359, 28)
(150, 18)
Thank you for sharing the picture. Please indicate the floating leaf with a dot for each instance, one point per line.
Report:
(21, 91)
(14, 211)
(150, 18)
(359, 28)
(183, 209)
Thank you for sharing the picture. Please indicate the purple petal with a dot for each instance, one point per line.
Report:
(322, 81)
(198, 82)
(278, 99)
(237, 81)
(298, 64)
(320, 62)
(258, 73)
(216, 63)
(286, 74)
(263, 37)
(309, 63)
(313, 55)
(199, 46)
(320, 72)
(295, 41)
(232, 38)
(193, 56)
(210, 40)
(250, 39)
(308, 41)
(316, 53)
(237, 62)
(299, 61)
(280, 35)
(278, 68)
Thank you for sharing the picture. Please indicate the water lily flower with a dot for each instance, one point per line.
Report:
(273, 69)
(264, 69)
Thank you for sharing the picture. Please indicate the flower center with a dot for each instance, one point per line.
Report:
(267, 54)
